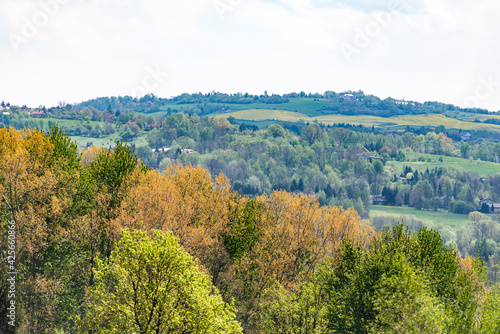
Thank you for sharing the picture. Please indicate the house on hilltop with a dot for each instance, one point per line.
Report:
(347, 98)
(403, 103)
(37, 113)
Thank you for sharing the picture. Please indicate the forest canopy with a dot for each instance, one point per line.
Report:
(96, 227)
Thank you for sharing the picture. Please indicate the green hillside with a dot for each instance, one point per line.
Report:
(390, 123)
(440, 217)
(482, 168)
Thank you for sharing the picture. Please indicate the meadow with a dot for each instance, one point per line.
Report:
(388, 123)
(47, 122)
(307, 106)
(439, 218)
(482, 168)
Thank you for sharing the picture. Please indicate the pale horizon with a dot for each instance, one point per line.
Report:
(72, 51)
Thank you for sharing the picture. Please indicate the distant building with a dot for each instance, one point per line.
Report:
(37, 113)
(378, 200)
(404, 103)
(347, 98)
(162, 149)
(487, 205)
(364, 153)
(393, 134)
(465, 136)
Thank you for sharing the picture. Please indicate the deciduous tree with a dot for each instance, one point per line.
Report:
(151, 285)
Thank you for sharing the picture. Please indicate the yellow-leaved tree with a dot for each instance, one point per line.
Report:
(296, 235)
(35, 191)
(185, 201)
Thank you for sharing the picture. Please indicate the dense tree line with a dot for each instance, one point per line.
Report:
(108, 245)
(69, 209)
(341, 166)
(327, 161)
(331, 103)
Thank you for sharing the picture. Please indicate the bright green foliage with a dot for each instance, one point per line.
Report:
(405, 305)
(243, 228)
(275, 131)
(351, 306)
(106, 175)
(65, 150)
(151, 285)
(111, 167)
(378, 166)
(490, 323)
(285, 312)
(311, 133)
(364, 289)
(464, 150)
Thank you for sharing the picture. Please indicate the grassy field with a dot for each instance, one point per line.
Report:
(107, 141)
(66, 122)
(397, 122)
(482, 168)
(268, 114)
(481, 117)
(439, 218)
(81, 141)
(307, 106)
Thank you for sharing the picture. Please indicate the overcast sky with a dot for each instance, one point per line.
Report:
(423, 50)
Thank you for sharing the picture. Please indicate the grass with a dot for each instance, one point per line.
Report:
(482, 168)
(81, 141)
(66, 122)
(390, 123)
(104, 141)
(307, 106)
(481, 117)
(267, 114)
(107, 141)
(439, 218)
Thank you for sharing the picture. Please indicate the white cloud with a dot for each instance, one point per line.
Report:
(429, 50)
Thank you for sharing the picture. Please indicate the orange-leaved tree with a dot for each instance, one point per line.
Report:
(185, 201)
(37, 173)
(296, 234)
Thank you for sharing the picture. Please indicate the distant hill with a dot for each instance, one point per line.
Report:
(389, 123)
(312, 105)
